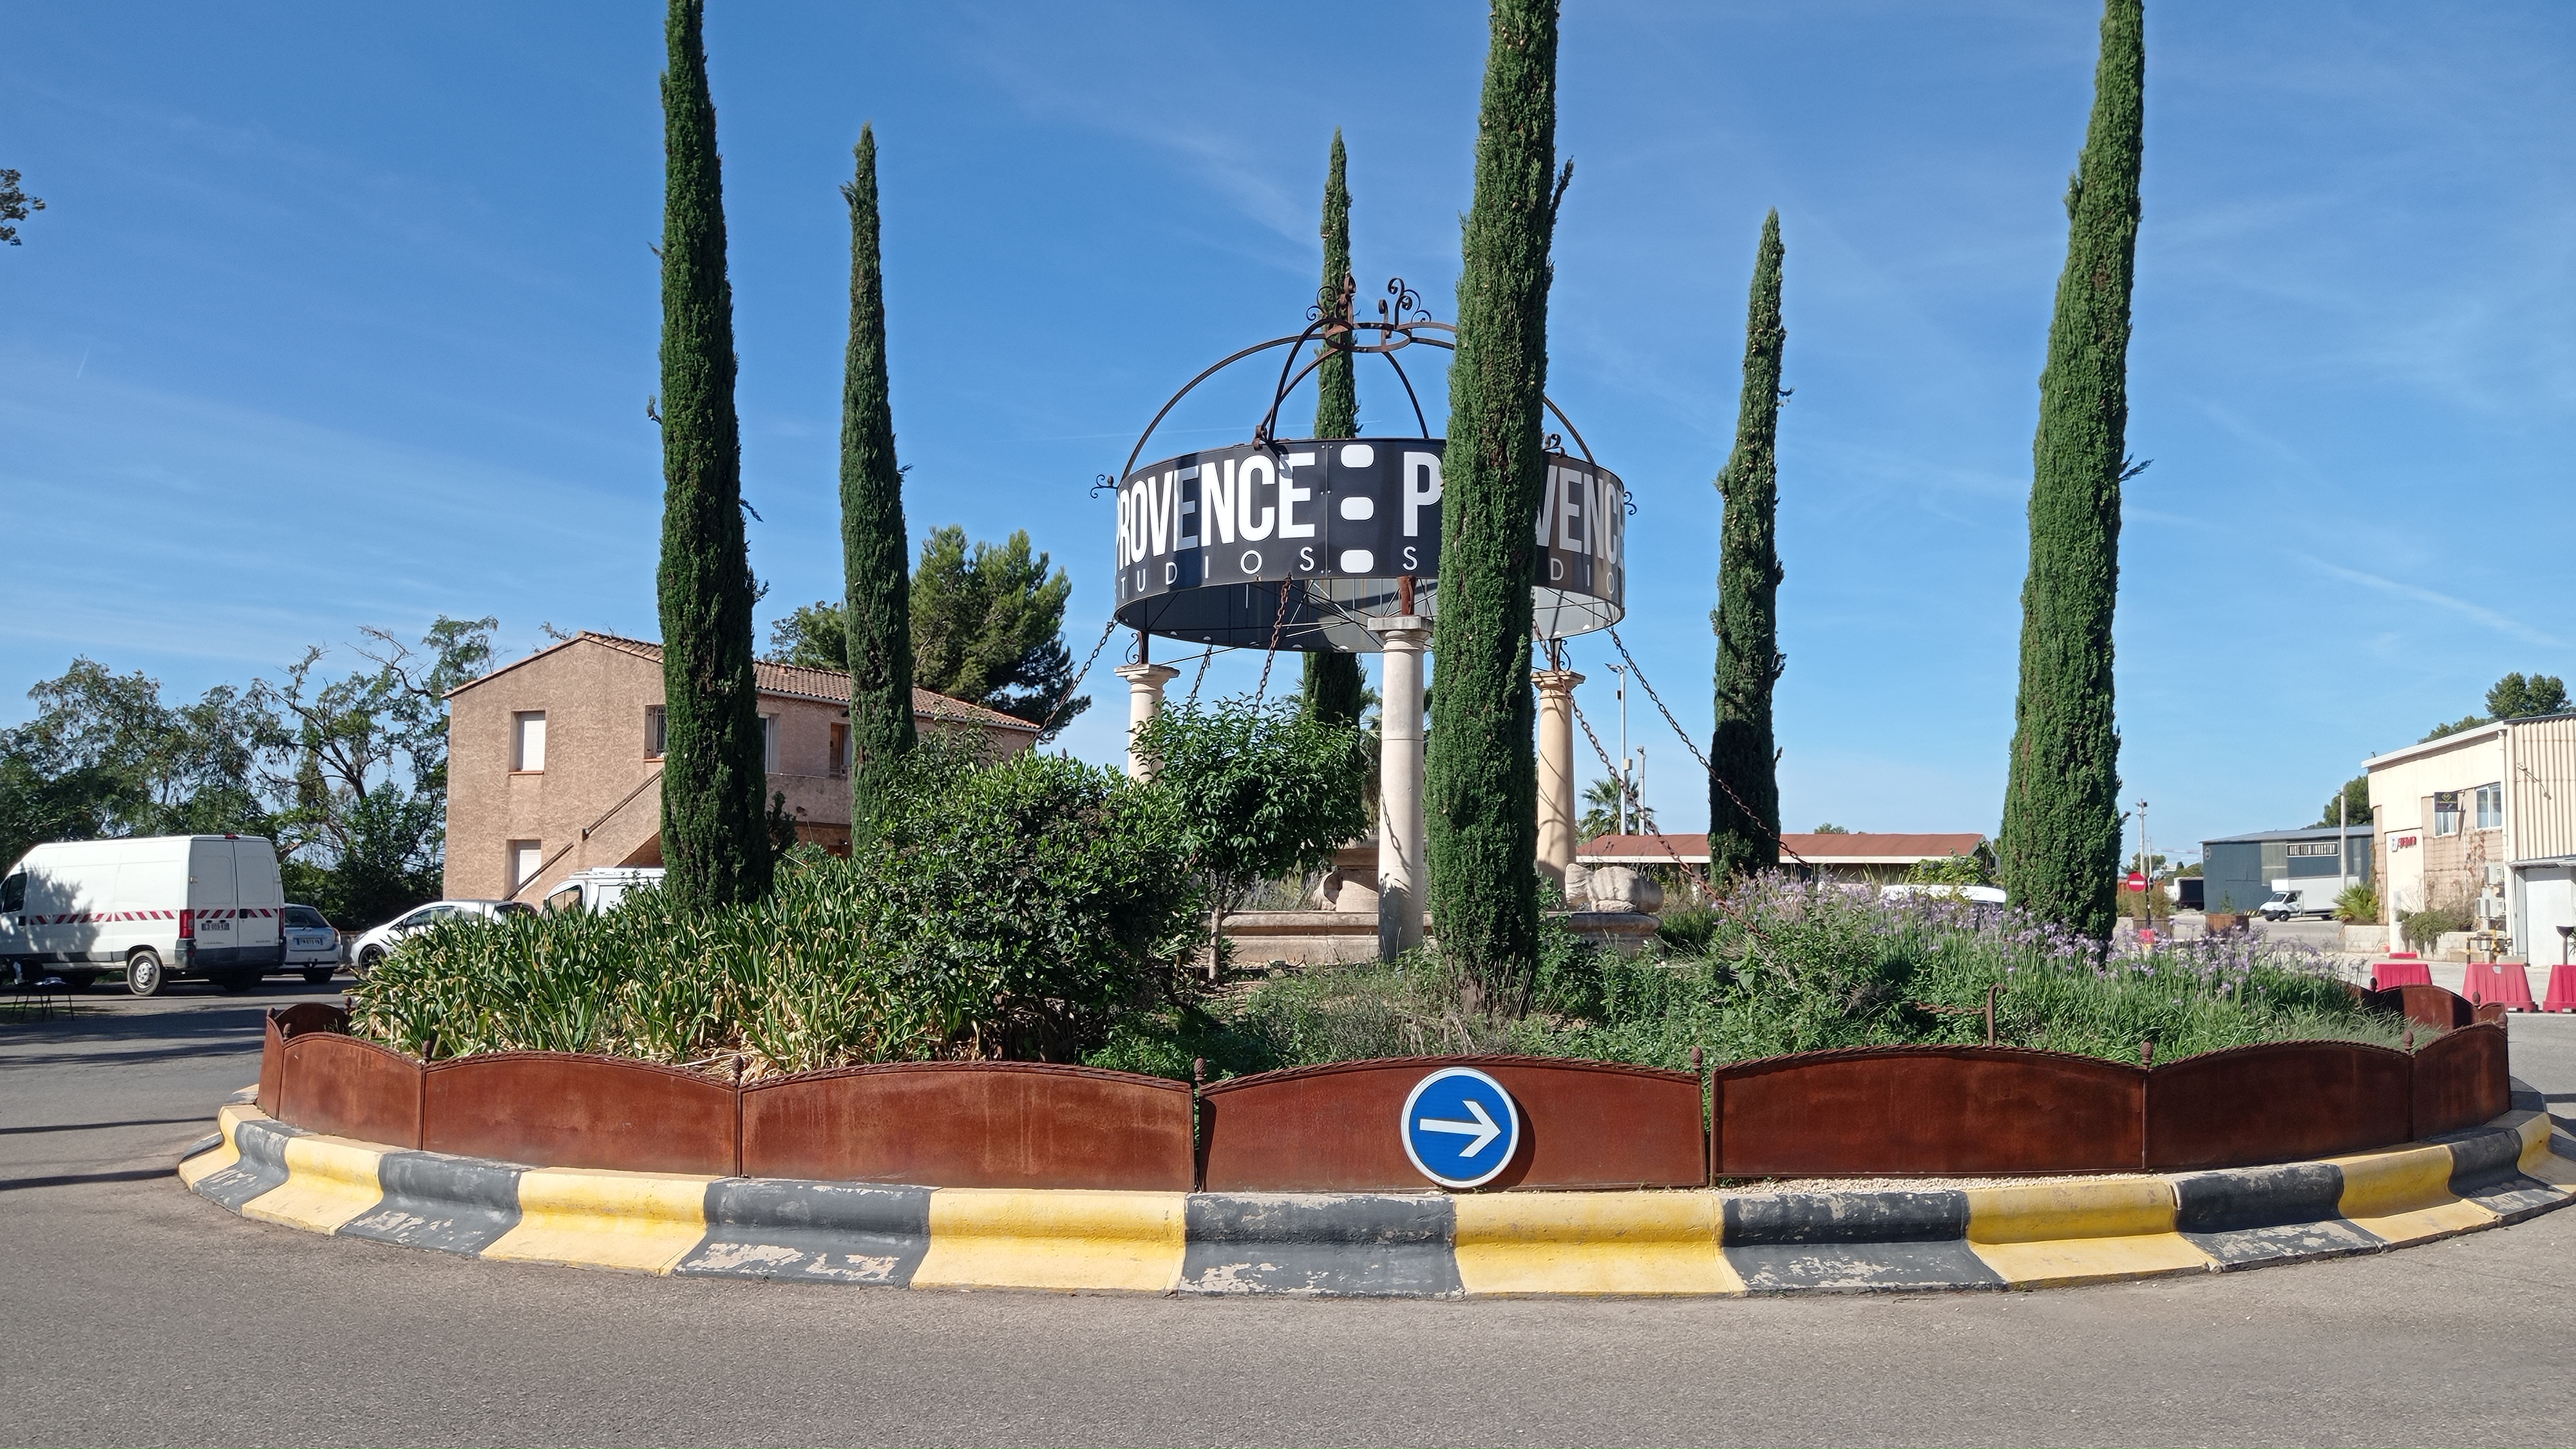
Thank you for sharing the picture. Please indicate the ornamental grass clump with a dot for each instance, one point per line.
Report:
(1010, 910)
(1790, 966)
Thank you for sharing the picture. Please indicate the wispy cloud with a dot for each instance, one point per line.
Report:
(2502, 623)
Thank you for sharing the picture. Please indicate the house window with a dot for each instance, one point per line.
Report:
(769, 743)
(2491, 807)
(2446, 812)
(528, 740)
(840, 749)
(526, 858)
(657, 731)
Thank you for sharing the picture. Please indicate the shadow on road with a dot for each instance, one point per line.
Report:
(68, 1179)
(86, 1126)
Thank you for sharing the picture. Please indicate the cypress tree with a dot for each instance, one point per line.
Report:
(1333, 692)
(1744, 783)
(714, 835)
(2060, 844)
(1481, 792)
(874, 547)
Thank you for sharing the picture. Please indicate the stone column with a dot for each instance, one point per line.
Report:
(1144, 700)
(1556, 840)
(1400, 876)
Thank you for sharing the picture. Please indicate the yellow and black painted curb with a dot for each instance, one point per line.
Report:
(2078, 1230)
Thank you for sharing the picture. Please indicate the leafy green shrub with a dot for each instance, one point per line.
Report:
(1008, 910)
(1686, 931)
(1950, 870)
(2358, 905)
(1792, 967)
(2424, 929)
(1260, 792)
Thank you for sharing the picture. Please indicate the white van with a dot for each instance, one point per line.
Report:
(601, 887)
(161, 907)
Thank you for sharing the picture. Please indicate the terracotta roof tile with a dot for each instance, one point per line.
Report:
(1853, 847)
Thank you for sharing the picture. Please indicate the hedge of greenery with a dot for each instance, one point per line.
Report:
(1010, 910)
(1043, 909)
(1786, 967)
(1017, 909)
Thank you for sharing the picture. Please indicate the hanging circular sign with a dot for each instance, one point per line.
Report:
(1294, 543)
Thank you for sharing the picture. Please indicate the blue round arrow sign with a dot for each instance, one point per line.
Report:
(1460, 1127)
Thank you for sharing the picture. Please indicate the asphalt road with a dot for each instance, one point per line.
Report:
(139, 1314)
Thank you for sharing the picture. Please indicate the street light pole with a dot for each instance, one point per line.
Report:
(2146, 868)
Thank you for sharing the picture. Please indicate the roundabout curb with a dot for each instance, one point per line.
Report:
(1678, 1241)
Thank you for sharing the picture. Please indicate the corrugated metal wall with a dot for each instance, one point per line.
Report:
(2234, 875)
(2544, 789)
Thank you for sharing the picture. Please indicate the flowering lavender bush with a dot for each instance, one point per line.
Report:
(1788, 966)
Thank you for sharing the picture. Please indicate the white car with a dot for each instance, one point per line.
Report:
(312, 943)
(1975, 895)
(379, 943)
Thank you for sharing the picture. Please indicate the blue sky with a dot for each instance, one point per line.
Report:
(345, 316)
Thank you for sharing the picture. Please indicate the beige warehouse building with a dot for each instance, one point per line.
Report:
(554, 763)
(2485, 819)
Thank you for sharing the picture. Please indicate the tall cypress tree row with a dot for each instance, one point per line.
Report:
(2060, 844)
(874, 549)
(1744, 782)
(714, 838)
(1333, 691)
(1481, 794)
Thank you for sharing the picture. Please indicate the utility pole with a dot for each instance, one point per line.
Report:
(1641, 787)
(2343, 823)
(1625, 763)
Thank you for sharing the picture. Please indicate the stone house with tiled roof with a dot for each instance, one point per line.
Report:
(554, 762)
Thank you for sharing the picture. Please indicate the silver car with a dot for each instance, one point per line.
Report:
(312, 943)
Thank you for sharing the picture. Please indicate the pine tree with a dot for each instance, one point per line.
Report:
(2060, 844)
(874, 547)
(714, 832)
(1744, 783)
(1481, 791)
(1333, 691)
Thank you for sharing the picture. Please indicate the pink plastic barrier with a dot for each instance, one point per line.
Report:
(2389, 975)
(2509, 984)
(2562, 989)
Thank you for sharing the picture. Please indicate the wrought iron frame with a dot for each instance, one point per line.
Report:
(1329, 321)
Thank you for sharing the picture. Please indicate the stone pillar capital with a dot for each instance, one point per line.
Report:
(1400, 631)
(1144, 700)
(1555, 681)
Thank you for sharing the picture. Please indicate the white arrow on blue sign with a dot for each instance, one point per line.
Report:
(1460, 1127)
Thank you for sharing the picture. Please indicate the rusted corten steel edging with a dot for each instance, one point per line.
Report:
(1860, 1112)
(1928, 1111)
(1338, 1127)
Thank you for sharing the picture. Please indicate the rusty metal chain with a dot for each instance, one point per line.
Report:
(1079, 675)
(1698, 876)
(1687, 743)
(1277, 627)
(1198, 679)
